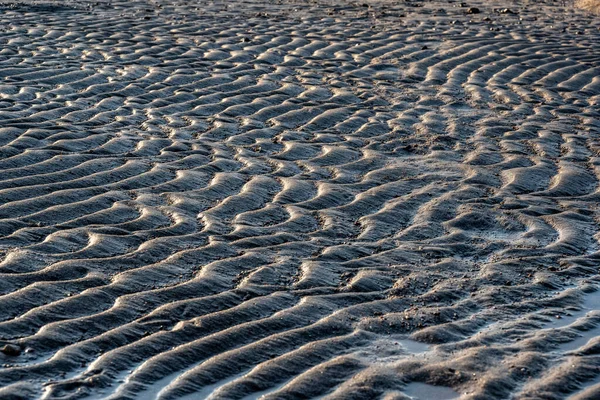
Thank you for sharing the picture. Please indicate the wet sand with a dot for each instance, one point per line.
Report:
(292, 199)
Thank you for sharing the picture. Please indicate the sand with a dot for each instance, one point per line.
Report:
(291, 199)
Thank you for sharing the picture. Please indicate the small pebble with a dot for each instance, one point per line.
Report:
(11, 350)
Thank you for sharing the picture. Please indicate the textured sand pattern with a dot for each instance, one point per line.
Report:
(299, 200)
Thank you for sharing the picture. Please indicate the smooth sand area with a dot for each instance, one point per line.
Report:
(294, 199)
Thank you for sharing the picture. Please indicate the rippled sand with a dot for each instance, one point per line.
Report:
(298, 199)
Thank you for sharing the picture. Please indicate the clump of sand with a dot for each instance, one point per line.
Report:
(590, 5)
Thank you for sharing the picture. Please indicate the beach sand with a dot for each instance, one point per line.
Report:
(299, 199)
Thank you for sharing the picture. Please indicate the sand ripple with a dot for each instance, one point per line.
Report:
(296, 200)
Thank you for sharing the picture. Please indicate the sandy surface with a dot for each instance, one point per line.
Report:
(294, 199)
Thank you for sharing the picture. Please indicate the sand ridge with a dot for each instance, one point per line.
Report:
(299, 200)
